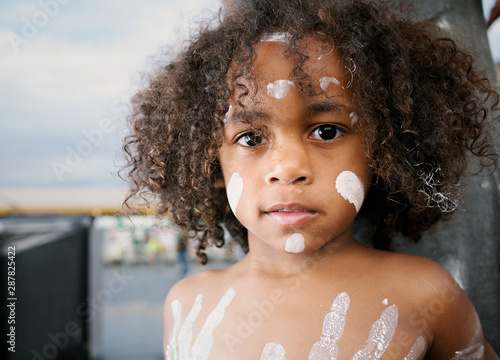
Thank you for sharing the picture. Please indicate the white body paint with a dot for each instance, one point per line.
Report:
(186, 332)
(295, 243)
(180, 340)
(350, 188)
(279, 88)
(475, 352)
(354, 118)
(326, 348)
(380, 336)
(273, 351)
(385, 302)
(234, 189)
(172, 351)
(324, 82)
(416, 350)
(333, 329)
(281, 37)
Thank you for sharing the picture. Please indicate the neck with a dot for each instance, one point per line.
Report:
(263, 260)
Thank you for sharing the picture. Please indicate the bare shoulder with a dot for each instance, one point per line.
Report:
(185, 298)
(441, 305)
(425, 276)
(186, 290)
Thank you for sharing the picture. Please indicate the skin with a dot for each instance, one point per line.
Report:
(293, 164)
(494, 14)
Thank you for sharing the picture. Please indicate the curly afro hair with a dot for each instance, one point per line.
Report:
(418, 97)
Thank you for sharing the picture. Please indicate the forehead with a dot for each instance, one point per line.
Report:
(312, 62)
(275, 56)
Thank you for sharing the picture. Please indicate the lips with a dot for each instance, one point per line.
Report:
(290, 214)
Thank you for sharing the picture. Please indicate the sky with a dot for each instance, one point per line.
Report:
(67, 70)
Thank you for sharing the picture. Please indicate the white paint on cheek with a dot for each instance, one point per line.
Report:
(204, 340)
(295, 243)
(354, 118)
(475, 352)
(350, 188)
(273, 351)
(380, 336)
(333, 329)
(234, 190)
(279, 88)
(324, 82)
(416, 350)
(281, 37)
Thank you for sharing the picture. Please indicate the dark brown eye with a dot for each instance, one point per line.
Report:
(326, 132)
(250, 139)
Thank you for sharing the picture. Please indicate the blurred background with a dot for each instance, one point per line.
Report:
(90, 282)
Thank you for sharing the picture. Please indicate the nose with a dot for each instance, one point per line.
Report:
(289, 164)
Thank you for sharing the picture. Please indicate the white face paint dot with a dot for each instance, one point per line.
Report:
(295, 243)
(234, 190)
(354, 118)
(281, 37)
(385, 302)
(279, 88)
(324, 82)
(350, 188)
(226, 117)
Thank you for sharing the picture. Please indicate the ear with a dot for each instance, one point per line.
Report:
(219, 183)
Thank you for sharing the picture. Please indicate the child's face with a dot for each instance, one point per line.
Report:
(296, 174)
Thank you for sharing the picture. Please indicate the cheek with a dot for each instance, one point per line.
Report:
(234, 189)
(350, 188)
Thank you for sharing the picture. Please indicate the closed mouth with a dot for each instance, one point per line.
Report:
(290, 214)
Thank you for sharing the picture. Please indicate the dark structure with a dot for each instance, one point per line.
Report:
(468, 245)
(50, 257)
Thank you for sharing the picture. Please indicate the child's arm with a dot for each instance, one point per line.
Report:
(457, 332)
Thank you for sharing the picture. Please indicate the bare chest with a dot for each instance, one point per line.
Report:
(281, 325)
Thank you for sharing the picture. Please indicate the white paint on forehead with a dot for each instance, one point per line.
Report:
(380, 336)
(234, 189)
(204, 340)
(475, 352)
(324, 82)
(350, 188)
(279, 88)
(416, 350)
(273, 351)
(295, 243)
(281, 37)
(226, 117)
(385, 302)
(333, 329)
(354, 118)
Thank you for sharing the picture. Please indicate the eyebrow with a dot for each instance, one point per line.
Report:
(248, 117)
(325, 107)
(253, 116)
